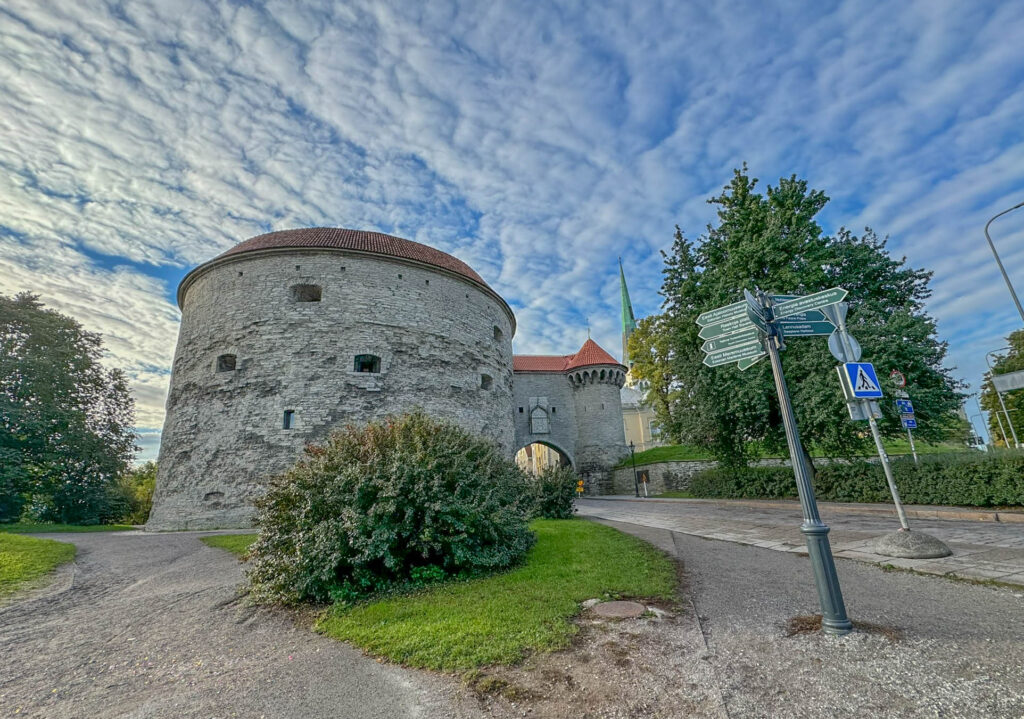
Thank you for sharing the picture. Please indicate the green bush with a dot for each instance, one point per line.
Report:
(131, 496)
(554, 493)
(973, 479)
(403, 502)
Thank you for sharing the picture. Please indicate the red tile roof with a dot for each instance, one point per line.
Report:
(341, 239)
(589, 354)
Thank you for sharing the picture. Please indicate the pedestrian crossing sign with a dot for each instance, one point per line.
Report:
(862, 380)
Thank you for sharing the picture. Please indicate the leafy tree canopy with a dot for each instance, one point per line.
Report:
(771, 240)
(998, 423)
(65, 420)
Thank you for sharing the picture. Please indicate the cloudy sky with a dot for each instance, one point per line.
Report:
(536, 141)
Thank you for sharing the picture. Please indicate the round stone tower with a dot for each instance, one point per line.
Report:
(596, 378)
(293, 333)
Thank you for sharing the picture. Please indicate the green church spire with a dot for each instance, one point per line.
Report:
(628, 320)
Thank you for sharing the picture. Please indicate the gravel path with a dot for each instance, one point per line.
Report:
(960, 653)
(150, 626)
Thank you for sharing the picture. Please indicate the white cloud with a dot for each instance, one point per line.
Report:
(537, 146)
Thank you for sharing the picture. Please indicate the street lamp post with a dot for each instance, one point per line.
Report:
(632, 457)
(1000, 262)
(1002, 404)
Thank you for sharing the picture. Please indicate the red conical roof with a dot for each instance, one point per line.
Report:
(589, 354)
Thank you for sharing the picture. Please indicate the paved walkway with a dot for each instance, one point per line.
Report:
(147, 626)
(983, 548)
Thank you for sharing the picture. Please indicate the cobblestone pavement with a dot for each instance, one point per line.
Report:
(981, 550)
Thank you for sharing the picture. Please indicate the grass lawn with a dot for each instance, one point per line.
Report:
(237, 544)
(26, 559)
(667, 453)
(40, 528)
(497, 620)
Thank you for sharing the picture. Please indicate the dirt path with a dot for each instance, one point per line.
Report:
(147, 626)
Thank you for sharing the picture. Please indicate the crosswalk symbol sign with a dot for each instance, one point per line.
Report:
(862, 380)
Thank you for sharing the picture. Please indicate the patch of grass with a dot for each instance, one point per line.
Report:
(24, 560)
(237, 544)
(668, 453)
(498, 619)
(41, 528)
(677, 495)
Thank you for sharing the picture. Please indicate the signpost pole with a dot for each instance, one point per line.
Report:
(1006, 414)
(1006, 442)
(888, 470)
(913, 450)
(833, 610)
(999, 394)
(847, 346)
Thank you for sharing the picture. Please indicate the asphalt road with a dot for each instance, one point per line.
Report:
(150, 627)
(959, 651)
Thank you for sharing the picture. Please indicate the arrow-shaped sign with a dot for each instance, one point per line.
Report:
(744, 364)
(734, 340)
(809, 316)
(810, 302)
(734, 354)
(806, 329)
(725, 328)
(721, 314)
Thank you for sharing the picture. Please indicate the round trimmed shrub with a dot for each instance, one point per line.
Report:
(554, 491)
(397, 503)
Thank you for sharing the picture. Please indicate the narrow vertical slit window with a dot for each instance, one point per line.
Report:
(289, 419)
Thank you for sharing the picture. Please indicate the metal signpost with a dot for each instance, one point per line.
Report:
(860, 384)
(759, 311)
(1005, 383)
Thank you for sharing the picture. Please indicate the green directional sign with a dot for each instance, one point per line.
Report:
(744, 364)
(806, 329)
(756, 318)
(740, 338)
(725, 328)
(721, 314)
(810, 302)
(809, 316)
(734, 354)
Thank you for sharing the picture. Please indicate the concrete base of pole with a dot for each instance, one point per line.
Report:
(909, 545)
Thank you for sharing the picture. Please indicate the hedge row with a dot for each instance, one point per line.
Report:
(976, 479)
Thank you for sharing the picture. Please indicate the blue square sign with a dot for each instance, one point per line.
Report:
(862, 380)
(904, 406)
(909, 423)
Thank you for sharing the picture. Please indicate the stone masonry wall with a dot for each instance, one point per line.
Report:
(676, 476)
(436, 334)
(601, 434)
(561, 409)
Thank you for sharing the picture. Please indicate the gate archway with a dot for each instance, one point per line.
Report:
(536, 456)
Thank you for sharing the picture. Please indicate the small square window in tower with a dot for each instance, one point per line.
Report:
(306, 293)
(367, 363)
(226, 363)
(498, 334)
(486, 381)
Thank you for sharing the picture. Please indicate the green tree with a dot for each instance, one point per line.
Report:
(65, 421)
(772, 241)
(1012, 361)
(131, 496)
